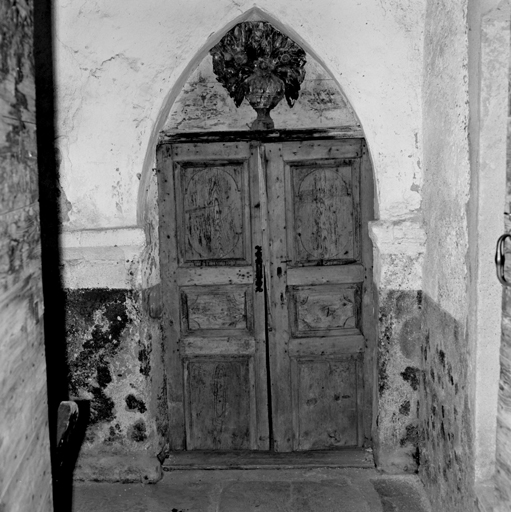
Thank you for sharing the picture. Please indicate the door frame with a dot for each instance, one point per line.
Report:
(369, 324)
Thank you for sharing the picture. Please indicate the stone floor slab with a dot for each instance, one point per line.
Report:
(327, 496)
(256, 497)
(102, 497)
(286, 490)
(400, 494)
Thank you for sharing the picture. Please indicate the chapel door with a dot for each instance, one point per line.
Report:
(319, 196)
(214, 320)
(297, 315)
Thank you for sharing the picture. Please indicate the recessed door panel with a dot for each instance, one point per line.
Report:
(326, 403)
(324, 310)
(324, 202)
(218, 394)
(217, 308)
(212, 212)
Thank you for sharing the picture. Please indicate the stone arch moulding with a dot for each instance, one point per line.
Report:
(253, 14)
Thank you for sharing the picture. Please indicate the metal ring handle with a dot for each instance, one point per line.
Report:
(500, 259)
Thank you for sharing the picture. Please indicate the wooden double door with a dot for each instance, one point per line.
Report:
(266, 277)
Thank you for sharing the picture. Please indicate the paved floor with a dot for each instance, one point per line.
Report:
(291, 490)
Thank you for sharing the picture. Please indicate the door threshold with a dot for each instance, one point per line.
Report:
(341, 458)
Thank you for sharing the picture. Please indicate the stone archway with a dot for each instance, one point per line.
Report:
(398, 249)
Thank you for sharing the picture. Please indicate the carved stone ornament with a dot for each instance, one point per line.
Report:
(256, 61)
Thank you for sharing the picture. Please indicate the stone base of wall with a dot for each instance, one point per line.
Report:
(398, 258)
(397, 431)
(486, 497)
(503, 462)
(446, 437)
(96, 466)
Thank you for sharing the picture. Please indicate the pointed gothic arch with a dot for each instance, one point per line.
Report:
(253, 14)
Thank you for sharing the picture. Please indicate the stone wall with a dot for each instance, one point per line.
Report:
(114, 357)
(25, 474)
(398, 275)
(104, 355)
(446, 384)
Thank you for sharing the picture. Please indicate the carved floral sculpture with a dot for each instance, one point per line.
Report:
(256, 61)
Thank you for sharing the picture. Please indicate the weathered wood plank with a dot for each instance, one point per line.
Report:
(328, 347)
(222, 152)
(356, 208)
(197, 276)
(260, 367)
(170, 296)
(278, 323)
(369, 322)
(338, 458)
(224, 345)
(339, 274)
(315, 149)
(342, 132)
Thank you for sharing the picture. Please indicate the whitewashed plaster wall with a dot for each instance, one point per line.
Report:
(120, 66)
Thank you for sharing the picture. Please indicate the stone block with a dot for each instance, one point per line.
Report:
(124, 468)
